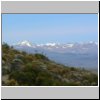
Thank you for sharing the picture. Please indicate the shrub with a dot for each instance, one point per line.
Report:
(12, 82)
(6, 46)
(41, 57)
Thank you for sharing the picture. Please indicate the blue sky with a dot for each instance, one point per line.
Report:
(43, 28)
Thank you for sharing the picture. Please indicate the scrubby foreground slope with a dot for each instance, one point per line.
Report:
(22, 69)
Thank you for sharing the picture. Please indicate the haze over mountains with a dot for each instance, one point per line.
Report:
(72, 54)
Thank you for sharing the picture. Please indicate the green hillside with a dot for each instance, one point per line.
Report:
(23, 69)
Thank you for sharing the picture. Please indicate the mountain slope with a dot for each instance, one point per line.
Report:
(22, 69)
(74, 54)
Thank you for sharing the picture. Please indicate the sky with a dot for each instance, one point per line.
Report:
(44, 28)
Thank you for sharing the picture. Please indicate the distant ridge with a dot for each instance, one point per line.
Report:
(85, 47)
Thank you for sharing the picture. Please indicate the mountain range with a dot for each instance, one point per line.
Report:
(83, 55)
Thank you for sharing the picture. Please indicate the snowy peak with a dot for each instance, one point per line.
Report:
(92, 42)
(50, 44)
(67, 47)
(70, 45)
(25, 43)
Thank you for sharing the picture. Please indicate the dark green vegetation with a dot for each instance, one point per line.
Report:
(22, 69)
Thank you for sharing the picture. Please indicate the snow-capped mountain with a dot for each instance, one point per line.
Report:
(73, 54)
(89, 47)
(82, 48)
(24, 43)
